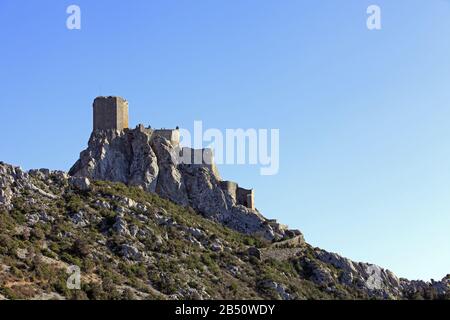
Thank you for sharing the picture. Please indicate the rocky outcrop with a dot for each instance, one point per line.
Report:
(434, 288)
(80, 183)
(170, 182)
(13, 181)
(139, 157)
(369, 278)
(119, 156)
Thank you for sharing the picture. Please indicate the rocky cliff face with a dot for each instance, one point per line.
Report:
(139, 158)
(378, 282)
(132, 244)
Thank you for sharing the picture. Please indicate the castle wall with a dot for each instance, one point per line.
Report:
(110, 113)
(242, 196)
(173, 135)
(200, 157)
(245, 197)
(142, 128)
(229, 187)
(122, 114)
(251, 200)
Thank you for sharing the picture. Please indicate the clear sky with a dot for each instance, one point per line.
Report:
(363, 115)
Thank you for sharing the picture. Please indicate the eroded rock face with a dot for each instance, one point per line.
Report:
(80, 183)
(370, 277)
(170, 182)
(6, 196)
(140, 158)
(119, 156)
(374, 280)
(13, 180)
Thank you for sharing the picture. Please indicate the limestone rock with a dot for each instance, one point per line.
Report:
(139, 157)
(370, 277)
(80, 183)
(279, 288)
(102, 204)
(216, 246)
(131, 252)
(6, 196)
(120, 226)
(170, 182)
(119, 156)
(22, 254)
(12, 181)
(234, 270)
(134, 231)
(144, 167)
(79, 219)
(254, 252)
(49, 296)
(196, 233)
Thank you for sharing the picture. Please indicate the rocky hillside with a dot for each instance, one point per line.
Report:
(133, 244)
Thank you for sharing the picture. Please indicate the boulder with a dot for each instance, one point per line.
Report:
(131, 252)
(216, 247)
(120, 226)
(277, 287)
(254, 252)
(78, 219)
(80, 183)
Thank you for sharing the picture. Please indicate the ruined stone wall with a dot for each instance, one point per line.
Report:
(251, 200)
(110, 113)
(245, 197)
(242, 196)
(147, 130)
(229, 187)
(173, 135)
(200, 157)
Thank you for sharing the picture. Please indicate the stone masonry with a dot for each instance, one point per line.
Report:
(110, 113)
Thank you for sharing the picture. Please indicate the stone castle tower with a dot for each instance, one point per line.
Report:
(110, 113)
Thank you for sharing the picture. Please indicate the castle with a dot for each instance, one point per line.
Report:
(111, 113)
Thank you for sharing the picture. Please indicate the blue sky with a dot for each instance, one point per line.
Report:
(363, 115)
